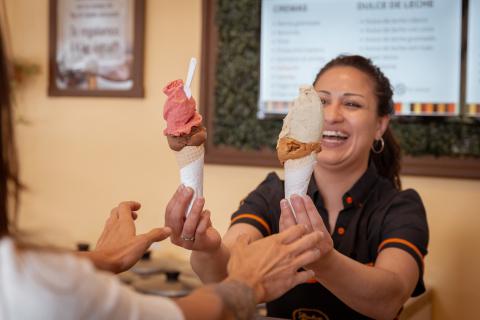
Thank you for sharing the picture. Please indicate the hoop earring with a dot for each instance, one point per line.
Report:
(382, 146)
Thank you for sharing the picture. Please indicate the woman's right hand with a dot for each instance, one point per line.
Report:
(307, 215)
(194, 232)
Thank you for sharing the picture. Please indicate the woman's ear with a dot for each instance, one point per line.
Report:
(382, 126)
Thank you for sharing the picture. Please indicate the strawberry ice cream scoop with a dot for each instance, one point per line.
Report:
(179, 111)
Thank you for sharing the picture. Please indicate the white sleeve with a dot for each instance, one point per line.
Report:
(46, 285)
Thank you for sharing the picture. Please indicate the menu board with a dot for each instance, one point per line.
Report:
(473, 59)
(416, 43)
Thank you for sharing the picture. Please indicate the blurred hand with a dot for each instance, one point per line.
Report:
(270, 265)
(119, 247)
(196, 231)
(307, 215)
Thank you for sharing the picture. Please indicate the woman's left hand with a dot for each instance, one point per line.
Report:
(119, 247)
(307, 214)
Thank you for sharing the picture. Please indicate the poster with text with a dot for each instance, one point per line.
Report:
(96, 47)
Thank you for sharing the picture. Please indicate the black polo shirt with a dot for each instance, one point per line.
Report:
(375, 216)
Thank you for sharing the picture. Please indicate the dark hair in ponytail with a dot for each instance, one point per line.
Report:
(388, 161)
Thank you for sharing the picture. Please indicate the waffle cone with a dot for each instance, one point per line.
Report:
(189, 154)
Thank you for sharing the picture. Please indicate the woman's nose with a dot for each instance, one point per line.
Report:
(333, 112)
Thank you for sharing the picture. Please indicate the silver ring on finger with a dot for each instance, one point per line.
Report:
(187, 238)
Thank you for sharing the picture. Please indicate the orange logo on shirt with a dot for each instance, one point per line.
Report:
(309, 314)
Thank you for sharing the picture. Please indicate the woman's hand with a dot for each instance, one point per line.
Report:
(194, 232)
(270, 265)
(119, 247)
(307, 215)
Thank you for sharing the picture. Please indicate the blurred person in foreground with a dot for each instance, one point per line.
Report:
(44, 283)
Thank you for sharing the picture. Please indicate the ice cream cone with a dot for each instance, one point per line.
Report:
(190, 161)
(299, 141)
(185, 133)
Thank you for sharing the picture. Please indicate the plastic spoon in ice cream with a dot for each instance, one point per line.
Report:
(188, 81)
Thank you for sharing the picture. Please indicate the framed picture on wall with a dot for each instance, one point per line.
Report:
(96, 48)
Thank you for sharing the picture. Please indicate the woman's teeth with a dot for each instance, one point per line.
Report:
(334, 135)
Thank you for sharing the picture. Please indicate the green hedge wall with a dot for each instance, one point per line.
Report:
(236, 93)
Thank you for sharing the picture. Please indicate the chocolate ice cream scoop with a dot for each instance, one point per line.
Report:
(196, 137)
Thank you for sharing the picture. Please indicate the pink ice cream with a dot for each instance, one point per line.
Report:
(179, 111)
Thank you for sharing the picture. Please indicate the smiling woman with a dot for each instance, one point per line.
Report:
(374, 235)
(362, 97)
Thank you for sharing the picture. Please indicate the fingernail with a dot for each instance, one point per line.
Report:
(284, 204)
(295, 199)
(180, 187)
(186, 191)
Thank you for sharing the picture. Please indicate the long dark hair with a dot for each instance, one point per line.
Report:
(388, 161)
(9, 180)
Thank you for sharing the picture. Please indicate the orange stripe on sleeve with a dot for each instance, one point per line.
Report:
(311, 280)
(402, 241)
(254, 217)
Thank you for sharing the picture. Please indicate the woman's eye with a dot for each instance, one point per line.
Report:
(323, 100)
(352, 104)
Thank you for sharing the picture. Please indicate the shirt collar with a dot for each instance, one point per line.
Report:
(357, 194)
(360, 190)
